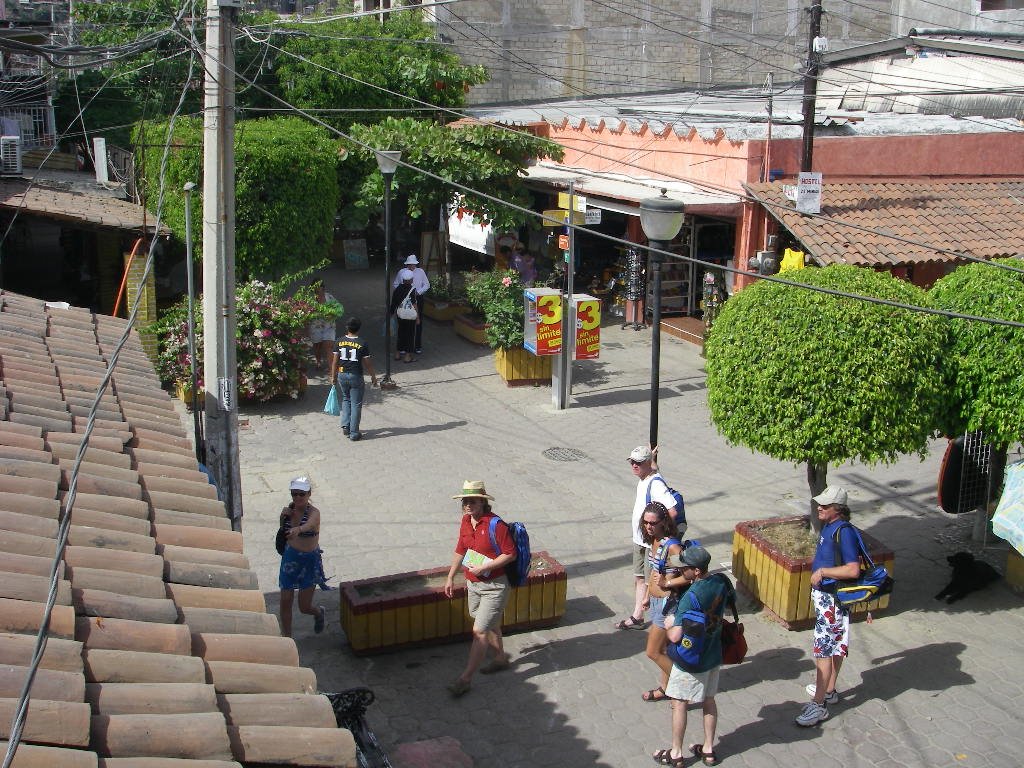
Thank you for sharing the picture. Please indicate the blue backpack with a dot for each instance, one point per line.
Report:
(517, 570)
(698, 628)
(679, 505)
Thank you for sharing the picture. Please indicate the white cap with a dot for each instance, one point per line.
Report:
(300, 484)
(831, 495)
(405, 274)
(640, 454)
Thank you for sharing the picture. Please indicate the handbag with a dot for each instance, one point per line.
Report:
(407, 310)
(280, 540)
(734, 643)
(332, 407)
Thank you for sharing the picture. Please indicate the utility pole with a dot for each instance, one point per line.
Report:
(811, 85)
(219, 359)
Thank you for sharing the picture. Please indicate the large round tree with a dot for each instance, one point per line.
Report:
(983, 367)
(815, 378)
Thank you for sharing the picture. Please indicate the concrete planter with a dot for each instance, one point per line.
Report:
(470, 328)
(782, 582)
(390, 612)
(519, 368)
(443, 311)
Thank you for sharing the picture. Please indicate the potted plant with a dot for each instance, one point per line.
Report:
(443, 302)
(272, 347)
(498, 296)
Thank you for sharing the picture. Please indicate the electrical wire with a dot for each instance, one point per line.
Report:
(700, 184)
(677, 257)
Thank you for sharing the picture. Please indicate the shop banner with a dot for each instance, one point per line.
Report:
(588, 327)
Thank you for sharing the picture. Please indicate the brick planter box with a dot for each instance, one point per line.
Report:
(470, 328)
(404, 609)
(783, 582)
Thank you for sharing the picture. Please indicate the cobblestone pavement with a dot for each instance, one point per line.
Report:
(925, 685)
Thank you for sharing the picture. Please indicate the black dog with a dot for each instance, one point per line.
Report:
(969, 575)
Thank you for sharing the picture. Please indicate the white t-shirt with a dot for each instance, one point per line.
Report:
(658, 493)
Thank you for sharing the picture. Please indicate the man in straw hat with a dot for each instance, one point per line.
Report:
(421, 284)
(486, 584)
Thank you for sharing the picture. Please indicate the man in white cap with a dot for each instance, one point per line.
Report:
(832, 620)
(421, 283)
(642, 460)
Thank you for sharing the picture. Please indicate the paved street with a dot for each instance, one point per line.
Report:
(925, 685)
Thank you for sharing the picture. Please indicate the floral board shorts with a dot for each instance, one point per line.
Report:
(302, 570)
(831, 626)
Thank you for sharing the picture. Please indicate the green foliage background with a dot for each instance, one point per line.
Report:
(983, 367)
(479, 156)
(286, 191)
(498, 296)
(399, 57)
(808, 377)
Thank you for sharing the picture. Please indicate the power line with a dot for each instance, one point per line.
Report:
(621, 241)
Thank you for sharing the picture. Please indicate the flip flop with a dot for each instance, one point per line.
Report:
(708, 758)
(652, 695)
(495, 666)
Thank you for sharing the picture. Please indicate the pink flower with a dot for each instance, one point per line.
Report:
(506, 281)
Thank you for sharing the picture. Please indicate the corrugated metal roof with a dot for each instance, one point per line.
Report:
(737, 115)
(980, 219)
(59, 201)
(620, 187)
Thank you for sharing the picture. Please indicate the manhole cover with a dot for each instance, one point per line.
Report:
(565, 454)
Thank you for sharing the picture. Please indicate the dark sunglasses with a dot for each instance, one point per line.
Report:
(299, 493)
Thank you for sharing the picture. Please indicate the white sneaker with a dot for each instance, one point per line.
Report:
(830, 698)
(812, 714)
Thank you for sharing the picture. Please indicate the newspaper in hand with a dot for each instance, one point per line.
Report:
(474, 559)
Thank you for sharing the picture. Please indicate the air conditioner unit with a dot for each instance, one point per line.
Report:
(10, 156)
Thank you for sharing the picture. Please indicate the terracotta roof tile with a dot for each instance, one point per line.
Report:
(159, 627)
(980, 219)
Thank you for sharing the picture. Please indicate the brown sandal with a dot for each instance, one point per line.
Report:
(653, 694)
(708, 758)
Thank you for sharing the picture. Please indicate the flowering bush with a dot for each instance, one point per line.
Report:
(272, 346)
(498, 296)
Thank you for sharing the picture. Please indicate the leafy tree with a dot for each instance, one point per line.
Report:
(813, 378)
(478, 156)
(146, 84)
(286, 191)
(382, 66)
(982, 366)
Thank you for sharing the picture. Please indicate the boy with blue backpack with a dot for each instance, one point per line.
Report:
(695, 647)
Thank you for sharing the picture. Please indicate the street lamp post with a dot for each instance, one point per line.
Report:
(387, 162)
(661, 219)
(194, 404)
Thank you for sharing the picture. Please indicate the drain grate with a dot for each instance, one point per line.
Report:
(565, 454)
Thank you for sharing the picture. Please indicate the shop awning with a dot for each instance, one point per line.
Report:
(893, 224)
(617, 192)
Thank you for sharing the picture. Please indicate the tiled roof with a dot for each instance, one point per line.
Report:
(160, 645)
(980, 219)
(57, 201)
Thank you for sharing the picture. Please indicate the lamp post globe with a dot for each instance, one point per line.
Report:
(661, 218)
(387, 163)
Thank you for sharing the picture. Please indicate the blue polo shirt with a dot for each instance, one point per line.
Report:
(825, 554)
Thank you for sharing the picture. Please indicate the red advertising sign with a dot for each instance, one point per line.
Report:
(549, 325)
(588, 329)
(563, 242)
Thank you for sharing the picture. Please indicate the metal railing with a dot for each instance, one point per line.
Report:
(35, 122)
